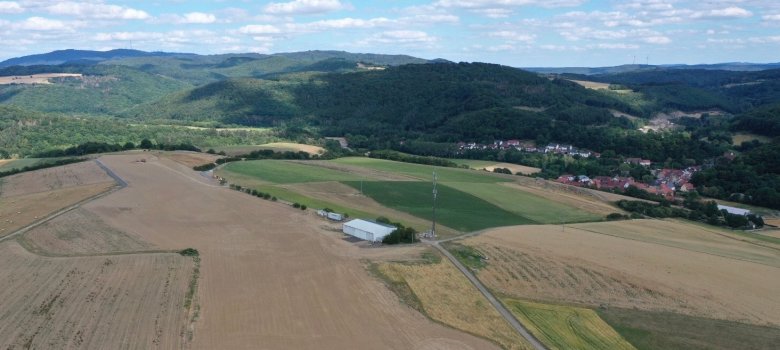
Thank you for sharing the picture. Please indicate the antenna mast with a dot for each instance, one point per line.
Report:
(433, 228)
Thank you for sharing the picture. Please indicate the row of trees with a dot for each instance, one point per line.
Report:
(695, 210)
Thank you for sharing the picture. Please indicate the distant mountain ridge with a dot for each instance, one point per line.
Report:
(71, 55)
(86, 56)
(630, 68)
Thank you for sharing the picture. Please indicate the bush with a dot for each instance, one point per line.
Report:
(274, 199)
(268, 196)
(296, 205)
(303, 207)
(616, 216)
(189, 252)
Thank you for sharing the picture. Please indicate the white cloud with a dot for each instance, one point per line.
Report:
(498, 48)
(473, 4)
(724, 13)
(513, 36)
(408, 37)
(659, 40)
(259, 29)
(95, 10)
(10, 7)
(617, 46)
(304, 7)
(341, 23)
(197, 18)
(775, 17)
(46, 24)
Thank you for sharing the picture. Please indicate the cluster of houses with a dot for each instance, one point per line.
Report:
(529, 147)
(666, 183)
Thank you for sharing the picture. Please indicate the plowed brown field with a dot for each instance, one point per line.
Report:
(270, 276)
(645, 264)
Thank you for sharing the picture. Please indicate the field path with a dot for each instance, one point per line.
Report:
(270, 276)
(492, 299)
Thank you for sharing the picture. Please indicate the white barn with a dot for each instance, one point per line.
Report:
(367, 230)
(733, 210)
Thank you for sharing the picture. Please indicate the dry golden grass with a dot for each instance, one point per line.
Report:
(448, 297)
(191, 159)
(514, 168)
(580, 201)
(567, 327)
(592, 84)
(297, 147)
(740, 137)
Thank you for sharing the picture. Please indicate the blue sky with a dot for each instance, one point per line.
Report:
(521, 33)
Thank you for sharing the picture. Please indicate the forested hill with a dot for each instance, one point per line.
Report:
(439, 102)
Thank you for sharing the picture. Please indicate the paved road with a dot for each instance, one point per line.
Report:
(497, 304)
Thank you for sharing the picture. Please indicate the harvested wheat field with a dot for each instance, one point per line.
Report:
(31, 196)
(644, 264)
(445, 295)
(108, 302)
(268, 276)
(79, 232)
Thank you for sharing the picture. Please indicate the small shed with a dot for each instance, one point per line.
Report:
(367, 230)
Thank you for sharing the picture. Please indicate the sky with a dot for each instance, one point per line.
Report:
(519, 33)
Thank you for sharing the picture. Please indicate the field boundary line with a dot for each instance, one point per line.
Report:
(501, 308)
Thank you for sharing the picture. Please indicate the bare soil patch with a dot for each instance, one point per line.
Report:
(35, 78)
(295, 147)
(109, 302)
(592, 84)
(644, 264)
(79, 232)
(268, 274)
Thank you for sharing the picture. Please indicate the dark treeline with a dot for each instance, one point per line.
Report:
(694, 210)
(102, 147)
(401, 234)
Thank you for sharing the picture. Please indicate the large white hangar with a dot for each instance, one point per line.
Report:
(367, 230)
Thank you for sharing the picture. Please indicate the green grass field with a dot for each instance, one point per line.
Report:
(422, 172)
(564, 327)
(282, 172)
(662, 330)
(536, 208)
(475, 164)
(455, 209)
(292, 196)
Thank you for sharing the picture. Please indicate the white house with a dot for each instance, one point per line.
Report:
(735, 211)
(367, 230)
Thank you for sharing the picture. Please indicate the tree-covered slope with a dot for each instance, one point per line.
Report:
(103, 90)
(438, 101)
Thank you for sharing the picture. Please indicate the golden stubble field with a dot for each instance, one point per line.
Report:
(645, 264)
(270, 276)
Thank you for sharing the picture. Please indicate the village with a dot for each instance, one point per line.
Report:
(666, 183)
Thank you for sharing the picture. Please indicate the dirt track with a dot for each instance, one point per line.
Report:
(270, 276)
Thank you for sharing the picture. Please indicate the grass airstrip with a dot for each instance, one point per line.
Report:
(468, 200)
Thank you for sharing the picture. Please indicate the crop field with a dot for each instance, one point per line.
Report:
(741, 137)
(454, 208)
(108, 302)
(490, 165)
(446, 296)
(10, 164)
(534, 207)
(644, 264)
(282, 172)
(567, 327)
(269, 274)
(35, 78)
